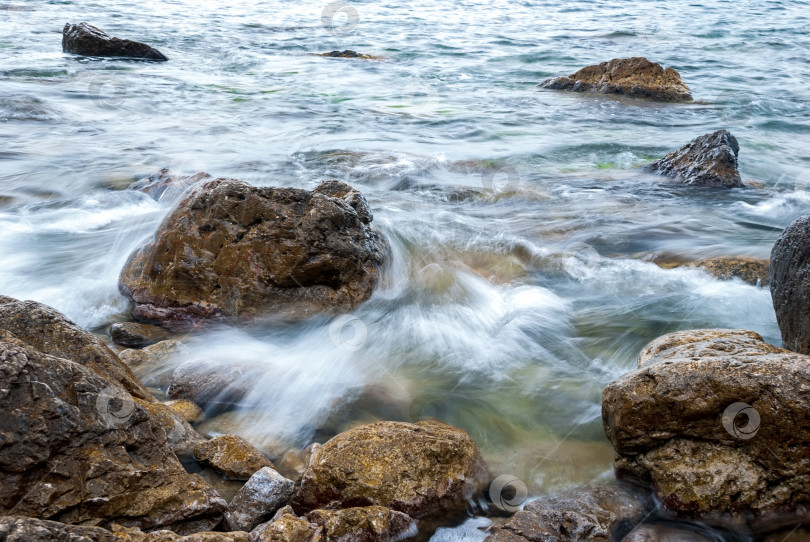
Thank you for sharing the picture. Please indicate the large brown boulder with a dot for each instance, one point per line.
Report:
(718, 422)
(233, 251)
(576, 515)
(635, 76)
(790, 284)
(420, 469)
(87, 40)
(708, 160)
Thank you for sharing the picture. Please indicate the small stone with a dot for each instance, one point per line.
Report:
(708, 160)
(263, 494)
(287, 527)
(153, 363)
(188, 410)
(87, 40)
(233, 456)
(135, 335)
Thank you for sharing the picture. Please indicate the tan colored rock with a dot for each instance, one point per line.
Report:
(287, 527)
(366, 524)
(635, 76)
(136, 535)
(421, 469)
(137, 335)
(188, 410)
(751, 270)
(25, 529)
(153, 363)
(232, 455)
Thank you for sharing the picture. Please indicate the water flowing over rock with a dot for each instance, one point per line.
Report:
(580, 514)
(635, 76)
(232, 456)
(717, 421)
(212, 383)
(166, 185)
(87, 40)
(790, 284)
(420, 469)
(78, 447)
(135, 335)
(236, 252)
(708, 160)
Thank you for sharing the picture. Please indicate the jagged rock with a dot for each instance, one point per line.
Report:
(576, 515)
(347, 54)
(165, 185)
(363, 524)
(136, 535)
(420, 469)
(153, 363)
(750, 270)
(708, 160)
(25, 529)
(135, 335)
(231, 251)
(87, 40)
(264, 493)
(635, 76)
(790, 284)
(232, 456)
(209, 382)
(188, 410)
(287, 527)
(717, 422)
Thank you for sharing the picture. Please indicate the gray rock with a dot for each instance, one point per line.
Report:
(136, 335)
(25, 529)
(87, 40)
(165, 185)
(790, 284)
(708, 160)
(209, 382)
(153, 363)
(263, 494)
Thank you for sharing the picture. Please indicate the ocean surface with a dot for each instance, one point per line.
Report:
(525, 238)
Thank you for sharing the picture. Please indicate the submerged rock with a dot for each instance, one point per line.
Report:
(348, 53)
(790, 284)
(233, 251)
(87, 40)
(188, 410)
(717, 421)
(167, 185)
(232, 456)
(580, 514)
(708, 160)
(214, 383)
(135, 335)
(153, 363)
(264, 493)
(635, 76)
(420, 469)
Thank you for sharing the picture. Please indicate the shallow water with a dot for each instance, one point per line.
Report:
(524, 238)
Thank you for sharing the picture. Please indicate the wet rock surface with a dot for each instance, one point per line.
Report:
(152, 364)
(708, 160)
(166, 185)
(188, 410)
(716, 421)
(287, 527)
(211, 383)
(751, 270)
(233, 251)
(790, 284)
(369, 523)
(264, 493)
(420, 469)
(78, 447)
(581, 514)
(87, 40)
(348, 53)
(232, 456)
(135, 335)
(634, 76)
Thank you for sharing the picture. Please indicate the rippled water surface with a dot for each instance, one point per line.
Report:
(524, 237)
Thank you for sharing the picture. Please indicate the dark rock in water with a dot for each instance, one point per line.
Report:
(210, 383)
(346, 54)
(717, 422)
(87, 40)
(581, 514)
(263, 494)
(79, 448)
(635, 76)
(421, 469)
(166, 185)
(708, 160)
(790, 284)
(135, 335)
(232, 456)
(25, 529)
(232, 251)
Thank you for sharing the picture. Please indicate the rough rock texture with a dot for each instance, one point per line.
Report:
(152, 364)
(188, 410)
(25, 529)
(165, 185)
(209, 382)
(750, 270)
(420, 469)
(233, 251)
(363, 524)
(87, 40)
(790, 284)
(135, 335)
(78, 448)
(581, 514)
(136, 535)
(348, 53)
(287, 527)
(717, 421)
(232, 456)
(635, 76)
(708, 160)
(266, 492)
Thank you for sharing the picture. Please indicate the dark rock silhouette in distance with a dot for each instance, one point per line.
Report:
(87, 40)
